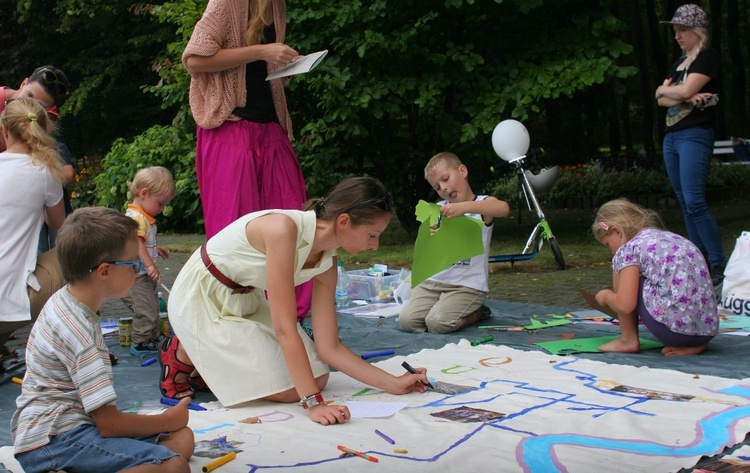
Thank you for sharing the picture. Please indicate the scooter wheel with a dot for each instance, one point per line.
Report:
(557, 252)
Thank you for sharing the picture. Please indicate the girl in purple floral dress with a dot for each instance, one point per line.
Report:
(658, 276)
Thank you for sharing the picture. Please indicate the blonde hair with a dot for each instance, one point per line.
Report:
(703, 42)
(157, 179)
(260, 17)
(27, 122)
(630, 218)
(445, 157)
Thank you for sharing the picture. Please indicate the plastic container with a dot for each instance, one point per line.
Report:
(342, 292)
(372, 287)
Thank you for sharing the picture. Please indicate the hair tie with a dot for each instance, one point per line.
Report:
(319, 206)
(604, 226)
(32, 117)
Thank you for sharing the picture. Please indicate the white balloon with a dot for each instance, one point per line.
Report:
(510, 140)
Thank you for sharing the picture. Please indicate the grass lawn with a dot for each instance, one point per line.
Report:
(571, 227)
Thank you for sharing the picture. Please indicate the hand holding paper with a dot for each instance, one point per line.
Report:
(454, 240)
(301, 65)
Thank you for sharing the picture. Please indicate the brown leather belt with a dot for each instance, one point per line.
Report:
(236, 288)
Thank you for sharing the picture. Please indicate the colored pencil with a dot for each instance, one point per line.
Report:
(359, 454)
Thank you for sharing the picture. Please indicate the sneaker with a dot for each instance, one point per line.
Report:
(717, 274)
(149, 347)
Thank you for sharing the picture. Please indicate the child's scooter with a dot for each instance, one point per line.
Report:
(510, 139)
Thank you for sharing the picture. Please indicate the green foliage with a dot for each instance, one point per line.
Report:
(730, 175)
(159, 146)
(104, 50)
(403, 83)
(594, 184)
(170, 146)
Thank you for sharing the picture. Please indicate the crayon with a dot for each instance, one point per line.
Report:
(16, 380)
(508, 329)
(173, 402)
(385, 437)
(149, 361)
(366, 356)
(212, 465)
(411, 370)
(482, 340)
(359, 454)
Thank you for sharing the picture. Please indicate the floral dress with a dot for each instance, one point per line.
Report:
(677, 288)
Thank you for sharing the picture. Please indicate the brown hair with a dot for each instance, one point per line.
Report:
(444, 157)
(27, 122)
(157, 179)
(91, 236)
(630, 218)
(364, 199)
(53, 81)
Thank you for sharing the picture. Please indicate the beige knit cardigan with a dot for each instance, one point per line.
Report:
(213, 95)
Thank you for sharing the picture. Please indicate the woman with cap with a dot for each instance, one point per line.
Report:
(691, 94)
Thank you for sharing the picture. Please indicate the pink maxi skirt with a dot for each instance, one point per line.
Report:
(244, 167)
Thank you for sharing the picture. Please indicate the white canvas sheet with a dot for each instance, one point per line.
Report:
(561, 414)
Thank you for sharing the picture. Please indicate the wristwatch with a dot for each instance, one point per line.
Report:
(311, 401)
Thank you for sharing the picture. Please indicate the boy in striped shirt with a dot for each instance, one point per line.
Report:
(66, 417)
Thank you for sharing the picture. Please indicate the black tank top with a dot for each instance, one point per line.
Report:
(259, 106)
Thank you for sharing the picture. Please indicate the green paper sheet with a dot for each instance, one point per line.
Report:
(536, 324)
(588, 345)
(456, 239)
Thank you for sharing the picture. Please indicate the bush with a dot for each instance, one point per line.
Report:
(158, 146)
(593, 185)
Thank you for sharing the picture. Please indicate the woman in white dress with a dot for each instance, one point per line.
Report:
(247, 347)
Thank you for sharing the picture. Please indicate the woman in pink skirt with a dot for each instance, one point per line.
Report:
(244, 157)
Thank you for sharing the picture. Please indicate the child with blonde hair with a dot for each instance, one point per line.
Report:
(32, 194)
(454, 298)
(152, 189)
(659, 277)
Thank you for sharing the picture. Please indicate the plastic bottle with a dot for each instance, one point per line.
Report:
(162, 303)
(342, 287)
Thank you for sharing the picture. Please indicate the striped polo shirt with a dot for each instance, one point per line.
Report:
(68, 373)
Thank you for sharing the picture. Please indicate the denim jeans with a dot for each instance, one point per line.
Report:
(84, 449)
(687, 157)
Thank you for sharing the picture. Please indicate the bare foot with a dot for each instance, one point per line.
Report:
(619, 345)
(682, 351)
